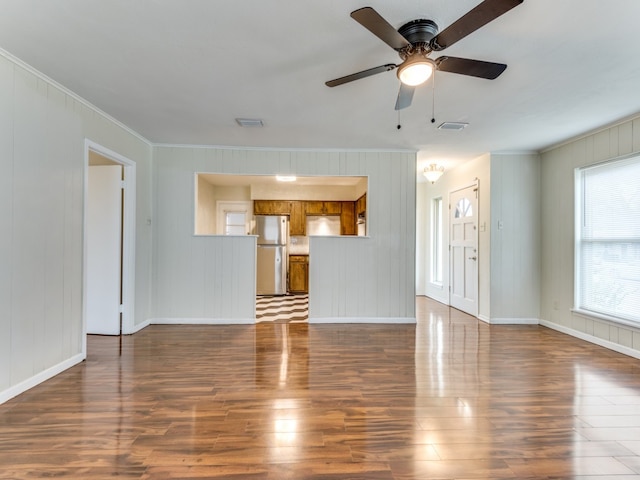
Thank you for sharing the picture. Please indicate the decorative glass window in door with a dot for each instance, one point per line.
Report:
(464, 208)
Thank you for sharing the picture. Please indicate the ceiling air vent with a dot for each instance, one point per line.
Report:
(452, 126)
(249, 122)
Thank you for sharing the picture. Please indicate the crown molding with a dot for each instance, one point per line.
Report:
(28, 68)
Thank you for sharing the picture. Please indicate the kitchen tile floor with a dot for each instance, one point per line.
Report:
(282, 308)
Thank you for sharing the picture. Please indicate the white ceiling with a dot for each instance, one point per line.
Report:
(181, 71)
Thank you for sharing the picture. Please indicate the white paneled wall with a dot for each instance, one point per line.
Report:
(6, 218)
(557, 177)
(42, 134)
(351, 279)
(515, 238)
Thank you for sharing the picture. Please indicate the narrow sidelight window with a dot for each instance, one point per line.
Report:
(436, 241)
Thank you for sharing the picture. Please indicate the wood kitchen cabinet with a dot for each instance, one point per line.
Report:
(298, 211)
(348, 218)
(295, 210)
(361, 205)
(297, 219)
(323, 208)
(299, 273)
(271, 207)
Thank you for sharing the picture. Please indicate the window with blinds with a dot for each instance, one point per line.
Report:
(608, 239)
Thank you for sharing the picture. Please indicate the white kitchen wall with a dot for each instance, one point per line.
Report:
(373, 279)
(557, 177)
(205, 214)
(42, 133)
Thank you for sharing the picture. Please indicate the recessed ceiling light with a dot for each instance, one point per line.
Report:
(452, 126)
(286, 178)
(250, 122)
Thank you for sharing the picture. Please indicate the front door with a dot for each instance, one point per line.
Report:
(463, 247)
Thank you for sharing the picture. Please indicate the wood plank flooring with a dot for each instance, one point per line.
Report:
(448, 398)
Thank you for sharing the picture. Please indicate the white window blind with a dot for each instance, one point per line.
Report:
(608, 239)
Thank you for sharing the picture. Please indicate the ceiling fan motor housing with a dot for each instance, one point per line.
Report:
(419, 31)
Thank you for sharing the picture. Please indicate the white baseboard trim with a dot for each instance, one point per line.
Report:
(202, 321)
(138, 327)
(397, 320)
(484, 318)
(37, 379)
(514, 321)
(616, 347)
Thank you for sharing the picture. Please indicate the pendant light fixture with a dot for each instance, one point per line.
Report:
(433, 172)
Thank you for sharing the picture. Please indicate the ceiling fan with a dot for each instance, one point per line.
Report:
(414, 42)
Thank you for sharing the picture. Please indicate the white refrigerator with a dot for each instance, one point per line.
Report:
(272, 258)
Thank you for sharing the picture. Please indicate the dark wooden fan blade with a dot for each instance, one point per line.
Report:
(473, 68)
(470, 22)
(372, 21)
(359, 75)
(405, 96)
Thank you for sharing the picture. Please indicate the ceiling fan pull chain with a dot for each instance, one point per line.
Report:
(399, 125)
(433, 98)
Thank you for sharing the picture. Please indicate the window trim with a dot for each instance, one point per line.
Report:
(579, 212)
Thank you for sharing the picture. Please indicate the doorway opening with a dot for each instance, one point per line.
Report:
(109, 243)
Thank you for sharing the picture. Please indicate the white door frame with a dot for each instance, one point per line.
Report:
(128, 237)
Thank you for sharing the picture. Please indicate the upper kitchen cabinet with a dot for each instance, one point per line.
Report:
(297, 219)
(271, 207)
(348, 219)
(323, 208)
(361, 205)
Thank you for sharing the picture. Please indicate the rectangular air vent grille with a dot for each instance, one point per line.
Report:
(452, 126)
(250, 122)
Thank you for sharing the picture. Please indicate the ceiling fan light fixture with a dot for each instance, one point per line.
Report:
(416, 70)
(433, 172)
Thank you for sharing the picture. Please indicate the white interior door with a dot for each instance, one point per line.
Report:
(104, 234)
(463, 256)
